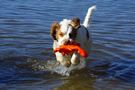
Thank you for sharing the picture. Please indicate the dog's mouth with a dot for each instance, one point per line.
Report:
(67, 42)
(71, 43)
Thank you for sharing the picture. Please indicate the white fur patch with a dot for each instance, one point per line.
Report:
(64, 25)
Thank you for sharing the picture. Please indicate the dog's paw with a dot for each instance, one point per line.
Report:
(65, 63)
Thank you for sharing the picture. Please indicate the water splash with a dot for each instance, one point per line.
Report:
(66, 71)
(54, 67)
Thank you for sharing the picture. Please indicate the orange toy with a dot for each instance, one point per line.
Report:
(66, 49)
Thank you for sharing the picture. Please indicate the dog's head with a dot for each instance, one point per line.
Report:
(65, 31)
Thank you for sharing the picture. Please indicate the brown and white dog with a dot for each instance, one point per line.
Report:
(68, 31)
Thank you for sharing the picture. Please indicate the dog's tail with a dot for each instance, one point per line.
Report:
(86, 22)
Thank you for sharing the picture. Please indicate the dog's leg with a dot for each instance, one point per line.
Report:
(62, 60)
(75, 58)
(86, 22)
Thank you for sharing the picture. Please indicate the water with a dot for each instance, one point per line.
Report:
(27, 60)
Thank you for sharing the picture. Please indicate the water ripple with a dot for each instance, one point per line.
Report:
(26, 54)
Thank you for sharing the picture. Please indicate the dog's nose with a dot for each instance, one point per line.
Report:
(67, 42)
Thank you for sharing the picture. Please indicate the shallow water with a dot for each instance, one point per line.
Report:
(27, 60)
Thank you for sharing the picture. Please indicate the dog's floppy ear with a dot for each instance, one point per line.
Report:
(76, 23)
(55, 26)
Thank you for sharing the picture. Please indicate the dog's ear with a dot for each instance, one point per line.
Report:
(76, 23)
(55, 26)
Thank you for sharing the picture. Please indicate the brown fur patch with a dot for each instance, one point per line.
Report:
(54, 29)
(59, 34)
(75, 23)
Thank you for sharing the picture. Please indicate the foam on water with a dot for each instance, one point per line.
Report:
(55, 67)
(66, 71)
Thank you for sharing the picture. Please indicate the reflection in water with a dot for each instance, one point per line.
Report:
(81, 83)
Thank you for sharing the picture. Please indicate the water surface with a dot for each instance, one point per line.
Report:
(27, 60)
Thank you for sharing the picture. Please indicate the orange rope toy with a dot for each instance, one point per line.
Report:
(66, 49)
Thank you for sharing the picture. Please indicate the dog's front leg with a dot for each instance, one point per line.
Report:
(75, 58)
(62, 60)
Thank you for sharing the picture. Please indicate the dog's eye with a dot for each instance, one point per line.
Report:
(61, 34)
(70, 35)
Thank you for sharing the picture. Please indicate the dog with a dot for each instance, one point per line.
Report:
(68, 31)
